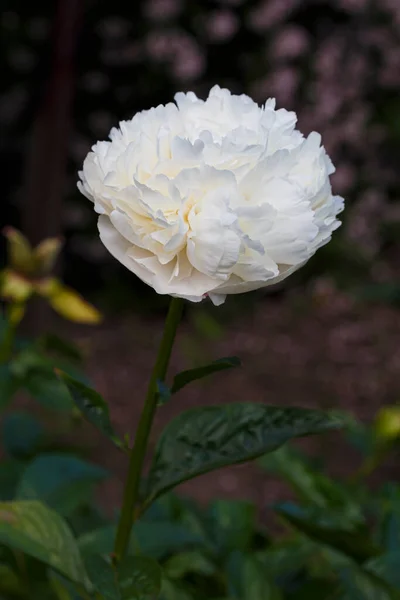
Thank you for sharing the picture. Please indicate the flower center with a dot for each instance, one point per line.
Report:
(187, 207)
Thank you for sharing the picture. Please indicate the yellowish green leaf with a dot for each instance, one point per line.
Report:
(68, 303)
(20, 253)
(15, 287)
(46, 254)
(31, 527)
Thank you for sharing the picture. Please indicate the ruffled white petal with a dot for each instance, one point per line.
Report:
(205, 198)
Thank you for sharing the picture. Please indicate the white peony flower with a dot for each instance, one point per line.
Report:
(211, 197)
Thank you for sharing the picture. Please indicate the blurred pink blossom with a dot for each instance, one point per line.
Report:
(353, 5)
(283, 85)
(160, 45)
(162, 10)
(180, 50)
(290, 42)
(268, 13)
(344, 178)
(222, 25)
(188, 64)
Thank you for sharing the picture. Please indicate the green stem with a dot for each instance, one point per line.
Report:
(138, 452)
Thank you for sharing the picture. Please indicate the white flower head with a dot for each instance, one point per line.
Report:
(209, 198)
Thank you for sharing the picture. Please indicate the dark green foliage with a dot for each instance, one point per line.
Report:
(182, 379)
(340, 543)
(207, 438)
(135, 578)
(92, 406)
(63, 482)
(21, 434)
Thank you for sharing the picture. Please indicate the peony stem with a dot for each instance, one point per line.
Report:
(138, 451)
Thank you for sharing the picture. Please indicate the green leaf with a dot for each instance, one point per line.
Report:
(185, 377)
(311, 486)
(93, 407)
(232, 525)
(87, 517)
(248, 580)
(10, 583)
(60, 587)
(10, 473)
(134, 578)
(103, 577)
(61, 347)
(390, 530)
(163, 538)
(99, 541)
(157, 540)
(194, 561)
(387, 567)
(45, 387)
(286, 558)
(31, 527)
(357, 584)
(9, 385)
(139, 578)
(22, 434)
(207, 438)
(171, 590)
(63, 482)
(330, 529)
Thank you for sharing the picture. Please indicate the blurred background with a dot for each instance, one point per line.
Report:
(329, 337)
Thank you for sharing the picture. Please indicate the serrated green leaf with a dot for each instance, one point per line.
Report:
(61, 481)
(22, 434)
(330, 529)
(207, 438)
(93, 407)
(185, 377)
(38, 531)
(134, 578)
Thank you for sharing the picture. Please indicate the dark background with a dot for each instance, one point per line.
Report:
(70, 70)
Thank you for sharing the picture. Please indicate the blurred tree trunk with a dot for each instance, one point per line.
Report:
(45, 176)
